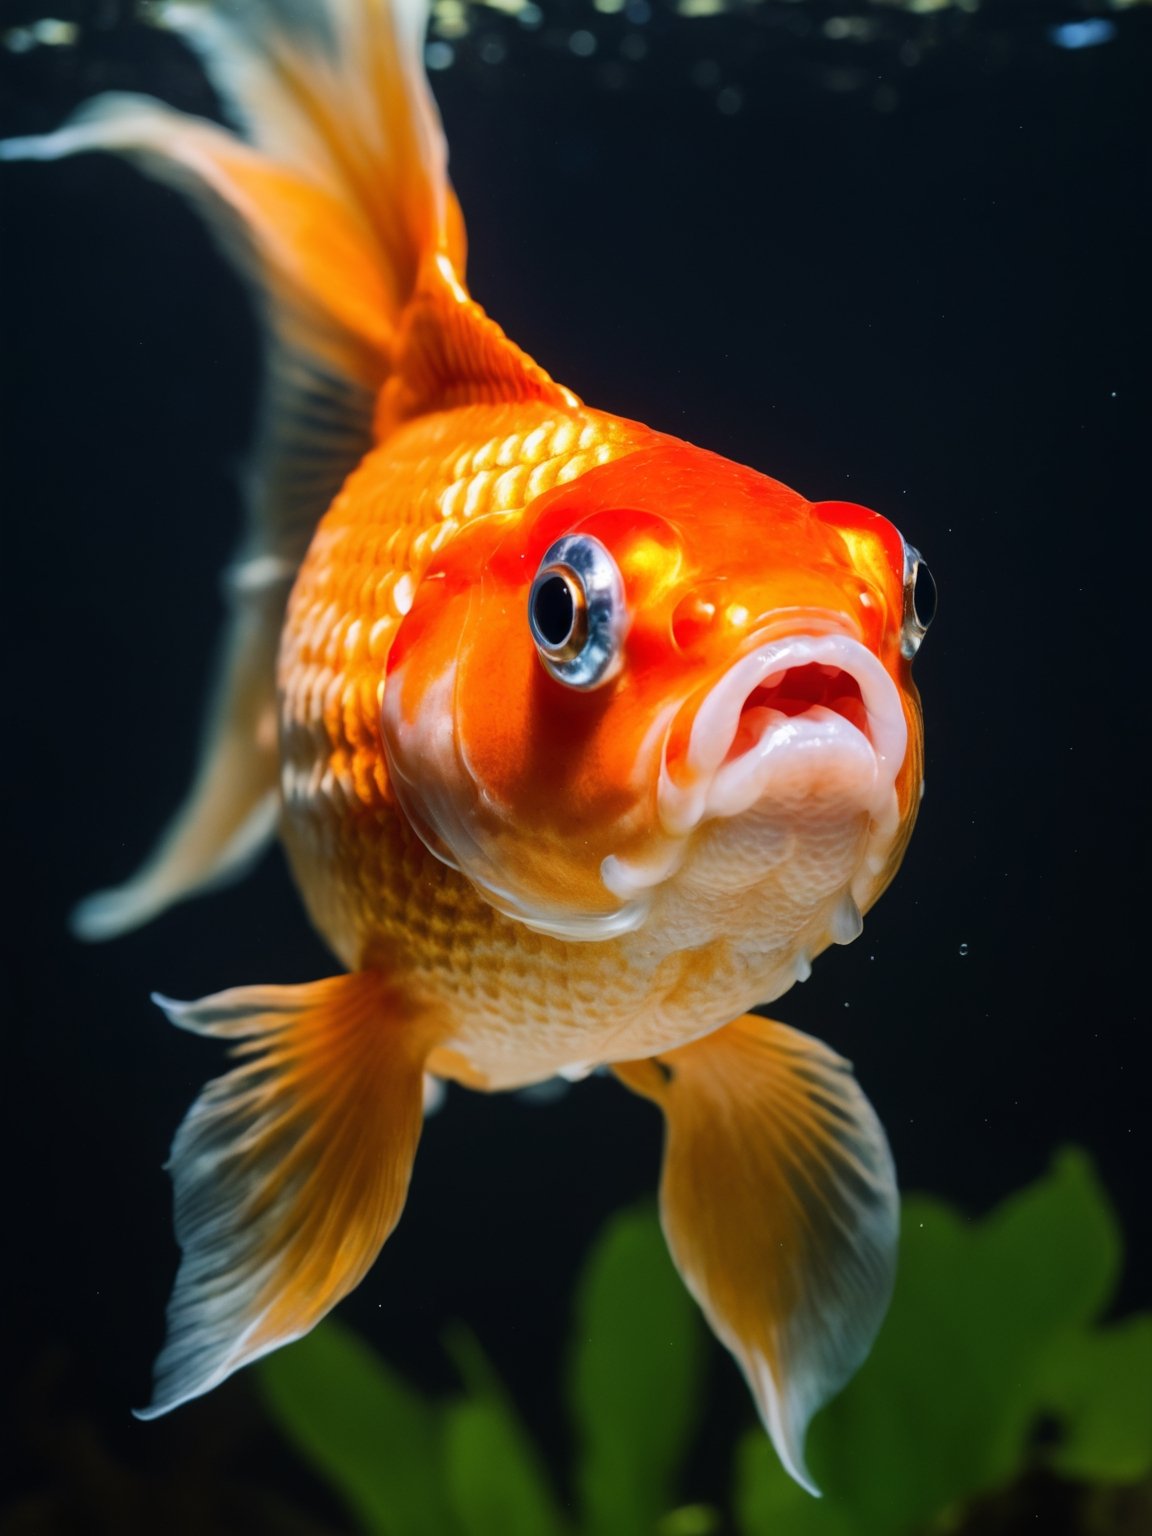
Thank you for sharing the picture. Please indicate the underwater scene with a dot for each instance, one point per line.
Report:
(483, 634)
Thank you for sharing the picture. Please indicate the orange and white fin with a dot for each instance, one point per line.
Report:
(779, 1203)
(451, 353)
(290, 1171)
(329, 205)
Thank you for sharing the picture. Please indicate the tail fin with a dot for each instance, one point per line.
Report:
(329, 206)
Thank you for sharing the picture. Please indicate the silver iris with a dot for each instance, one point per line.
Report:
(577, 613)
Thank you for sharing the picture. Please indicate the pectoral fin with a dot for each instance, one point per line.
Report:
(290, 1171)
(779, 1204)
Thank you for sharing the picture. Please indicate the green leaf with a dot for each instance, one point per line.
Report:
(1049, 1257)
(634, 1377)
(494, 1481)
(373, 1439)
(1060, 1237)
(1044, 1264)
(477, 1372)
(1099, 1385)
(691, 1520)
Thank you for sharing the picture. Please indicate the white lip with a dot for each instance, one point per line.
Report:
(862, 765)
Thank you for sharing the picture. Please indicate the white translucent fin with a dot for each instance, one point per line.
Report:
(780, 1206)
(289, 1172)
(328, 206)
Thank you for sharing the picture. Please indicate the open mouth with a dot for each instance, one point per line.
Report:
(795, 692)
(806, 716)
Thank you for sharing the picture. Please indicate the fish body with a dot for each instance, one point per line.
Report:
(724, 926)
(582, 742)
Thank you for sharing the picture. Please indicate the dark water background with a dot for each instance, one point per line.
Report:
(906, 264)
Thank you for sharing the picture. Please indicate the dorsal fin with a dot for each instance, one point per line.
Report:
(449, 352)
(333, 203)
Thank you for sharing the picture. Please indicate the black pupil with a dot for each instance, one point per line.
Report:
(553, 610)
(924, 596)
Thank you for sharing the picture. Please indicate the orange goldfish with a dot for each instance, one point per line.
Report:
(582, 742)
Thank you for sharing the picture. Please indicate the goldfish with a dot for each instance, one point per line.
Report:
(582, 742)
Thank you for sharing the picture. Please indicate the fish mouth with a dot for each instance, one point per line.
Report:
(811, 717)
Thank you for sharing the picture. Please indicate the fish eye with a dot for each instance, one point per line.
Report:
(576, 612)
(924, 596)
(919, 601)
(558, 612)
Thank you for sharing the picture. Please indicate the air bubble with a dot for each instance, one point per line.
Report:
(439, 55)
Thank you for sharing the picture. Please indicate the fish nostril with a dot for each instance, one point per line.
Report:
(694, 617)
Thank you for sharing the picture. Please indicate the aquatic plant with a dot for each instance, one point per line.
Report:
(991, 1366)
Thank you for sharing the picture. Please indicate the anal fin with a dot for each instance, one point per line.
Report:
(290, 1171)
(779, 1203)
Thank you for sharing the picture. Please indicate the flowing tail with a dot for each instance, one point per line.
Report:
(329, 205)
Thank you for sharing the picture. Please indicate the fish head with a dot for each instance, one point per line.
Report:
(592, 701)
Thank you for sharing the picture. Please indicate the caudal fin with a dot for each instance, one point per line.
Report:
(329, 204)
